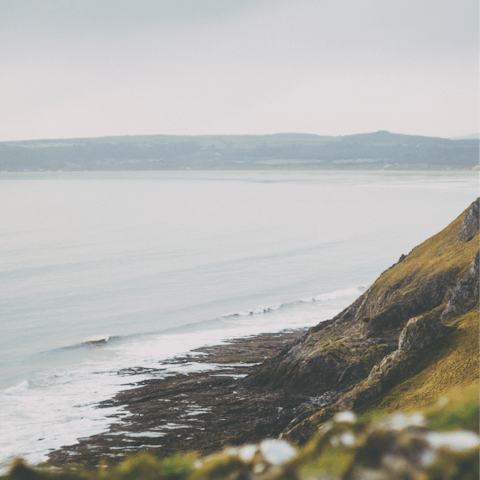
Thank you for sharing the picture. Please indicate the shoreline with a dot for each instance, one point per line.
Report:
(201, 409)
(446, 172)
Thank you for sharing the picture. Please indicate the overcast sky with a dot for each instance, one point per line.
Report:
(84, 68)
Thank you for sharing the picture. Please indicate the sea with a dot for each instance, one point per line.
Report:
(105, 273)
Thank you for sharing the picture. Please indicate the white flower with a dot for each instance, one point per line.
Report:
(456, 441)
(277, 452)
(345, 417)
(399, 421)
(347, 439)
(247, 453)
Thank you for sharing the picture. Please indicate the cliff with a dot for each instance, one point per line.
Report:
(389, 335)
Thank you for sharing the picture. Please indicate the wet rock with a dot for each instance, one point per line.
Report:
(200, 411)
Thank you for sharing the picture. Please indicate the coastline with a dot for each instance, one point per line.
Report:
(445, 172)
(201, 409)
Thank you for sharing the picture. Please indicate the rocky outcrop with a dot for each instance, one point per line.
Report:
(470, 223)
(420, 332)
(465, 294)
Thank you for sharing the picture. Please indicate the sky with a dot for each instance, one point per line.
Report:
(90, 68)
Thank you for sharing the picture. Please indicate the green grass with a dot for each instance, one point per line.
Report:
(452, 362)
(440, 258)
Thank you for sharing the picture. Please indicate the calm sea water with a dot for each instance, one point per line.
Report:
(108, 271)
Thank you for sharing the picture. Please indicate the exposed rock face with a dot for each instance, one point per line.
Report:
(421, 332)
(360, 353)
(470, 222)
(465, 294)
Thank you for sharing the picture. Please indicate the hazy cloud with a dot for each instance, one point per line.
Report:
(89, 68)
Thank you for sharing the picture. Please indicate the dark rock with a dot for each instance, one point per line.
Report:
(201, 411)
(421, 332)
(466, 293)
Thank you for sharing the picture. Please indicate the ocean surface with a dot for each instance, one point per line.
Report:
(104, 272)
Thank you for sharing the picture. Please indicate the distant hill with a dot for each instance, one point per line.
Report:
(472, 136)
(286, 151)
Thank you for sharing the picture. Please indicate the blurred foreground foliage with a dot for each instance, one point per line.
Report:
(439, 442)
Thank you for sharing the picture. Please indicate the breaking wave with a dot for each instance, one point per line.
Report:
(324, 297)
(98, 341)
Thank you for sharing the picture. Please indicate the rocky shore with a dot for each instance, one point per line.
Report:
(402, 345)
(202, 410)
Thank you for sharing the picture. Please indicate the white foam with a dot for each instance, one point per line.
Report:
(60, 406)
(339, 294)
(54, 414)
(150, 434)
(16, 388)
(99, 339)
(307, 300)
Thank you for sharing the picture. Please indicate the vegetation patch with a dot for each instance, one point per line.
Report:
(451, 362)
(436, 443)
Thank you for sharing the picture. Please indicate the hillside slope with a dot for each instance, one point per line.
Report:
(414, 330)
(369, 151)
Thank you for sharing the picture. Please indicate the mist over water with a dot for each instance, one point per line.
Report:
(104, 272)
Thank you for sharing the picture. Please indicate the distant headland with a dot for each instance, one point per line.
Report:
(377, 151)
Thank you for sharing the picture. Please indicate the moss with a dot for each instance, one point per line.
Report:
(431, 267)
(457, 409)
(332, 461)
(137, 467)
(451, 362)
(143, 466)
(20, 471)
(219, 467)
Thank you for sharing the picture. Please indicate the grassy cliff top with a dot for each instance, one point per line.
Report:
(408, 339)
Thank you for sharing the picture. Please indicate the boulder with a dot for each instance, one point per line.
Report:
(420, 332)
